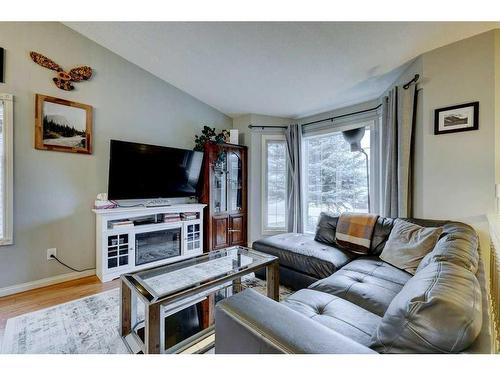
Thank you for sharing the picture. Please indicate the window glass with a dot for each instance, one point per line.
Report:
(6, 172)
(275, 181)
(335, 178)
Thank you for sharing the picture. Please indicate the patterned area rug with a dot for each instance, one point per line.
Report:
(84, 326)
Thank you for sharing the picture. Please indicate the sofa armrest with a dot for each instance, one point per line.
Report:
(250, 323)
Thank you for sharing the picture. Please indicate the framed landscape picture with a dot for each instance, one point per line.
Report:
(457, 118)
(62, 125)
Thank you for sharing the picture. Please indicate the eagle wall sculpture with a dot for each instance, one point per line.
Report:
(63, 79)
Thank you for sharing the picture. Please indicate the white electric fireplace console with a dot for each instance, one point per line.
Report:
(130, 239)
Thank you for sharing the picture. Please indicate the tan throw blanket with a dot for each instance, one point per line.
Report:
(354, 231)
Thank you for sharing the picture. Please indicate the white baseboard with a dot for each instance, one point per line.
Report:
(13, 289)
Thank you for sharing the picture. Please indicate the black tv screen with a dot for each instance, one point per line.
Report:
(141, 171)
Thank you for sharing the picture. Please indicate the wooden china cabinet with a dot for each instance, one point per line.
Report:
(225, 193)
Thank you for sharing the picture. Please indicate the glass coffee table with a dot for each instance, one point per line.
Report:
(172, 288)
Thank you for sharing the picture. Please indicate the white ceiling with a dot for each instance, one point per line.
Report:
(289, 69)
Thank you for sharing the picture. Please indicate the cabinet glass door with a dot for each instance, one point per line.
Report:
(118, 248)
(193, 239)
(234, 181)
(219, 177)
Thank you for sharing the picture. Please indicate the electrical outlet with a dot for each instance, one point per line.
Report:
(52, 251)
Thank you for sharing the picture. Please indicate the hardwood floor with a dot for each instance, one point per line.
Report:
(37, 299)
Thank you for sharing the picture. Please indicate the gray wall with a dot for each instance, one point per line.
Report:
(54, 192)
(456, 175)
(458, 171)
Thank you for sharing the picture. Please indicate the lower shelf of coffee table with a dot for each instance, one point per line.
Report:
(184, 325)
(200, 343)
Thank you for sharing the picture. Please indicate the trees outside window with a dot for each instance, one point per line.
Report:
(274, 183)
(335, 178)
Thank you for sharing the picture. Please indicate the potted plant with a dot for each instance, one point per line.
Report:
(209, 135)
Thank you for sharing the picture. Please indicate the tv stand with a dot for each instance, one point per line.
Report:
(132, 238)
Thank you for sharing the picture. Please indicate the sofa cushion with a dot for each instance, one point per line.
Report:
(326, 229)
(408, 243)
(437, 311)
(367, 282)
(380, 235)
(335, 313)
(458, 245)
(302, 253)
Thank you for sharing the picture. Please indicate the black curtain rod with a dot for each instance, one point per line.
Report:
(405, 86)
(317, 121)
(414, 79)
(345, 115)
(268, 126)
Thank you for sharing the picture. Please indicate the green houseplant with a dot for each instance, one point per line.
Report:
(208, 135)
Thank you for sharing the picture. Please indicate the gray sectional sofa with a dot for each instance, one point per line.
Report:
(346, 303)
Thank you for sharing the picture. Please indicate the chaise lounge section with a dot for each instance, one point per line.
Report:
(361, 304)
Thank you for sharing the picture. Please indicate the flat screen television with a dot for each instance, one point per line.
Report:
(141, 171)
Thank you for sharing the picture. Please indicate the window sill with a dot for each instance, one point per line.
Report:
(6, 241)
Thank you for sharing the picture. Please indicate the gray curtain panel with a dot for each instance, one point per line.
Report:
(293, 136)
(398, 123)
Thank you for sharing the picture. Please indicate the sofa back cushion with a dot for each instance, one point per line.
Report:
(458, 242)
(408, 243)
(381, 233)
(459, 245)
(326, 229)
(437, 311)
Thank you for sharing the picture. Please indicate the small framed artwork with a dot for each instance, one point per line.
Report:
(457, 118)
(62, 125)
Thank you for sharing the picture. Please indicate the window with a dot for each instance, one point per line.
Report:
(6, 140)
(274, 190)
(335, 178)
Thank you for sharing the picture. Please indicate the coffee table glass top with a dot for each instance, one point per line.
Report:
(184, 275)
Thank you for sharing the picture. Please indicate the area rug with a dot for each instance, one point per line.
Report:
(85, 326)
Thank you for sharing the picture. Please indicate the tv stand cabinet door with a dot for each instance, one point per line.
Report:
(220, 235)
(192, 237)
(118, 252)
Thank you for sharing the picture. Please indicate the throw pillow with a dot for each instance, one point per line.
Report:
(408, 244)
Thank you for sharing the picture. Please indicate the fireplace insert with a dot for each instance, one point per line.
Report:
(157, 245)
